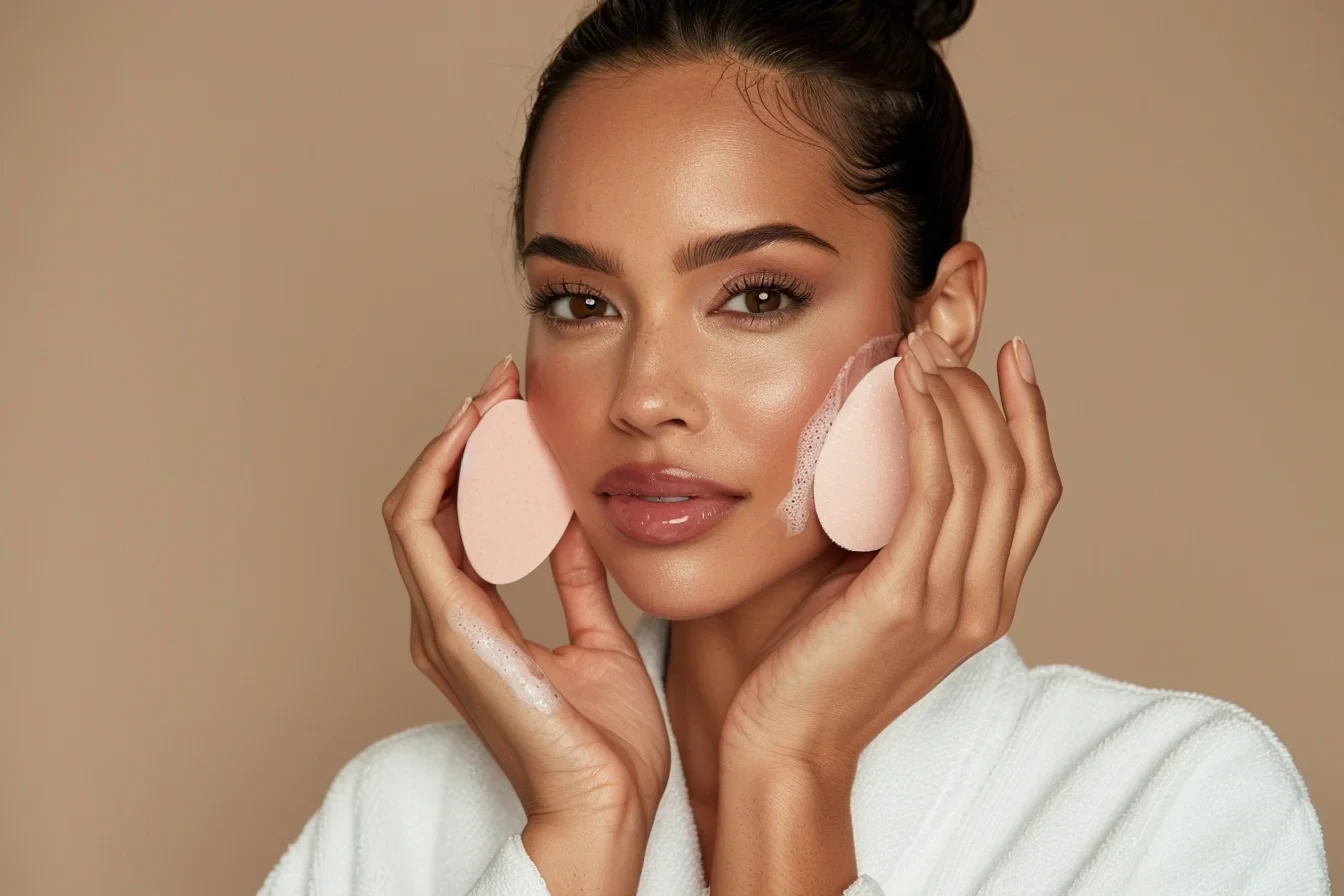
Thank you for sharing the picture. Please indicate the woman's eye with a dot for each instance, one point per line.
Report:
(761, 300)
(581, 306)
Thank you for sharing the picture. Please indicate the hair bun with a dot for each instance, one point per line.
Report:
(936, 20)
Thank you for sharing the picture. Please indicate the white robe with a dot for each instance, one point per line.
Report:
(1003, 779)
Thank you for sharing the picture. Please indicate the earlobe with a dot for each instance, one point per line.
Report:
(512, 503)
(862, 477)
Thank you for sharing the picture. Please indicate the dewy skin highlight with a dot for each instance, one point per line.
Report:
(797, 504)
(519, 671)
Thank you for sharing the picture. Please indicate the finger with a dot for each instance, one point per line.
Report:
(581, 581)
(896, 579)
(441, 581)
(951, 552)
(1043, 488)
(446, 523)
(506, 388)
(424, 648)
(433, 475)
(449, 526)
(987, 557)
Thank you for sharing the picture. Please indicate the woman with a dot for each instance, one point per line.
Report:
(718, 204)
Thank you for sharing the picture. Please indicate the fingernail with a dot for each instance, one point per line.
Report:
(916, 375)
(457, 414)
(1024, 365)
(497, 374)
(942, 352)
(919, 347)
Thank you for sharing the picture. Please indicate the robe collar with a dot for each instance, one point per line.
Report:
(912, 784)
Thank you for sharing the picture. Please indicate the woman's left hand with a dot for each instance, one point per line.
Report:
(887, 626)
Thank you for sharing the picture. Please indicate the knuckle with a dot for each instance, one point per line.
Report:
(390, 505)
(940, 625)
(1052, 489)
(930, 425)
(970, 475)
(1013, 474)
(399, 522)
(975, 630)
(420, 658)
(937, 494)
(902, 612)
(580, 576)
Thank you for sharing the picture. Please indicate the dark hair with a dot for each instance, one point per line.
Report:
(863, 73)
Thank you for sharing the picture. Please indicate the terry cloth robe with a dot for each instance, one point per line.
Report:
(1003, 779)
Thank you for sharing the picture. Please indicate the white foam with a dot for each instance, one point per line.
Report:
(519, 671)
(797, 505)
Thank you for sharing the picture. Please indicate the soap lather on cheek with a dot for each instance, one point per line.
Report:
(797, 505)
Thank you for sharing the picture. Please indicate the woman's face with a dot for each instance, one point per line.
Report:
(695, 359)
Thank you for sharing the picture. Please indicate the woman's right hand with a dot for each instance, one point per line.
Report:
(594, 764)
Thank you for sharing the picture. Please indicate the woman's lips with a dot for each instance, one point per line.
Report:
(697, 503)
(667, 522)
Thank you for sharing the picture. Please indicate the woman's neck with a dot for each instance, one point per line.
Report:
(708, 658)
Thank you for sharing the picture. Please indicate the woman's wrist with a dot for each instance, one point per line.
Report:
(586, 855)
(769, 808)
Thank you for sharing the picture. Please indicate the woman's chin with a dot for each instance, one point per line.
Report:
(675, 590)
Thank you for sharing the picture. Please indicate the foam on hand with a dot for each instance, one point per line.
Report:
(518, 670)
(512, 505)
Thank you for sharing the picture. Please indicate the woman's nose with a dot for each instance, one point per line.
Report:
(658, 391)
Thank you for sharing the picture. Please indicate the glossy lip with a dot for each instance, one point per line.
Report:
(663, 523)
(660, 481)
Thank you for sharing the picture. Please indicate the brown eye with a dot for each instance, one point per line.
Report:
(760, 300)
(582, 306)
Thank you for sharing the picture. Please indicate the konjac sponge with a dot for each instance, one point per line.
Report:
(862, 477)
(512, 505)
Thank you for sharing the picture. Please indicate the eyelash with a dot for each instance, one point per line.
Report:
(800, 295)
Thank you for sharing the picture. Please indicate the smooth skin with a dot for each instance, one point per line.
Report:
(788, 654)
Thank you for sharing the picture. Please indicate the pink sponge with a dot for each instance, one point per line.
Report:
(512, 505)
(862, 477)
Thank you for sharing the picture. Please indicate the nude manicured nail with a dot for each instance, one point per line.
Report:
(942, 352)
(912, 370)
(920, 349)
(497, 374)
(1024, 364)
(457, 414)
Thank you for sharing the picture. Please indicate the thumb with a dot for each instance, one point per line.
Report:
(581, 580)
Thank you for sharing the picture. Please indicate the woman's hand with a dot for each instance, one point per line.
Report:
(588, 759)
(889, 625)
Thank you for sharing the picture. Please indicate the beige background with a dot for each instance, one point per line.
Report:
(252, 255)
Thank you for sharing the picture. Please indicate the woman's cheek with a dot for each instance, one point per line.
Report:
(552, 409)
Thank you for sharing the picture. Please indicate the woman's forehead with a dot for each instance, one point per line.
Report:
(674, 150)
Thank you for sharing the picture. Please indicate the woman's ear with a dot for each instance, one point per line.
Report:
(955, 305)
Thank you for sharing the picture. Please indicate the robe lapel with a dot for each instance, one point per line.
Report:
(912, 784)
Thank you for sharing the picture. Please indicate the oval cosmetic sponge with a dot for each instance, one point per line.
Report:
(512, 506)
(863, 476)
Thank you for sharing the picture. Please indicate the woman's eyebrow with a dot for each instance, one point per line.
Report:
(696, 254)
